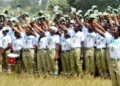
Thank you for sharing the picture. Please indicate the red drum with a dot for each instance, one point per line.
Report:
(12, 58)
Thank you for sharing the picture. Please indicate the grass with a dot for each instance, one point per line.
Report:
(23, 80)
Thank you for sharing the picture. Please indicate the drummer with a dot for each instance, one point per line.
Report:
(17, 47)
(6, 41)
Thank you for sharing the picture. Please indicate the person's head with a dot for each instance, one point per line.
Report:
(27, 30)
(116, 31)
(76, 27)
(66, 35)
(17, 35)
(53, 30)
(41, 33)
(87, 25)
(67, 23)
(4, 32)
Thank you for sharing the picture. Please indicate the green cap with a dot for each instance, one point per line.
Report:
(14, 20)
(115, 11)
(90, 11)
(48, 16)
(93, 16)
(32, 20)
(18, 7)
(42, 17)
(94, 7)
(86, 15)
(105, 14)
(5, 11)
(99, 13)
(12, 14)
(73, 9)
(79, 12)
(40, 13)
(66, 16)
(79, 16)
(62, 19)
(56, 8)
(4, 15)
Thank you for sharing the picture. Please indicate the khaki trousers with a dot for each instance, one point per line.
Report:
(4, 60)
(52, 64)
(41, 61)
(89, 61)
(115, 72)
(28, 60)
(101, 61)
(65, 58)
(76, 62)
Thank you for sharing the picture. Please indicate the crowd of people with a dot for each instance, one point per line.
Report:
(83, 45)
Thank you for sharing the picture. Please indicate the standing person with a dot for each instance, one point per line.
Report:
(65, 53)
(101, 55)
(17, 44)
(89, 44)
(6, 41)
(29, 51)
(52, 51)
(114, 47)
(41, 54)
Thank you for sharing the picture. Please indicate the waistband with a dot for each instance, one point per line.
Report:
(101, 48)
(115, 59)
(65, 51)
(17, 51)
(75, 48)
(42, 49)
(89, 48)
(51, 49)
(27, 50)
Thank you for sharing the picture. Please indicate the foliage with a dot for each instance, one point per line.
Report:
(64, 6)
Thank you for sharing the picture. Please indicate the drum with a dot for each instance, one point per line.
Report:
(12, 58)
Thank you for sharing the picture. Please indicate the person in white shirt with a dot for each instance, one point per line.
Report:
(89, 44)
(41, 54)
(65, 53)
(100, 55)
(29, 51)
(17, 44)
(6, 41)
(52, 51)
(114, 48)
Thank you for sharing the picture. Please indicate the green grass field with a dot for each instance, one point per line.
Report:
(23, 80)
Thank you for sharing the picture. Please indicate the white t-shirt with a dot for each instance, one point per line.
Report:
(89, 38)
(5, 41)
(42, 43)
(52, 40)
(17, 44)
(108, 38)
(114, 48)
(76, 38)
(28, 41)
(65, 43)
(1, 36)
(100, 41)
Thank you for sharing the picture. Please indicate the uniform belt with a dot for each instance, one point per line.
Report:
(51, 49)
(65, 51)
(27, 50)
(89, 48)
(100, 48)
(17, 51)
(115, 59)
(75, 48)
(42, 49)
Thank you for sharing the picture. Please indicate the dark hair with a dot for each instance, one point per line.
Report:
(118, 29)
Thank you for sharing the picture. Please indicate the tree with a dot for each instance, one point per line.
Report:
(64, 6)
